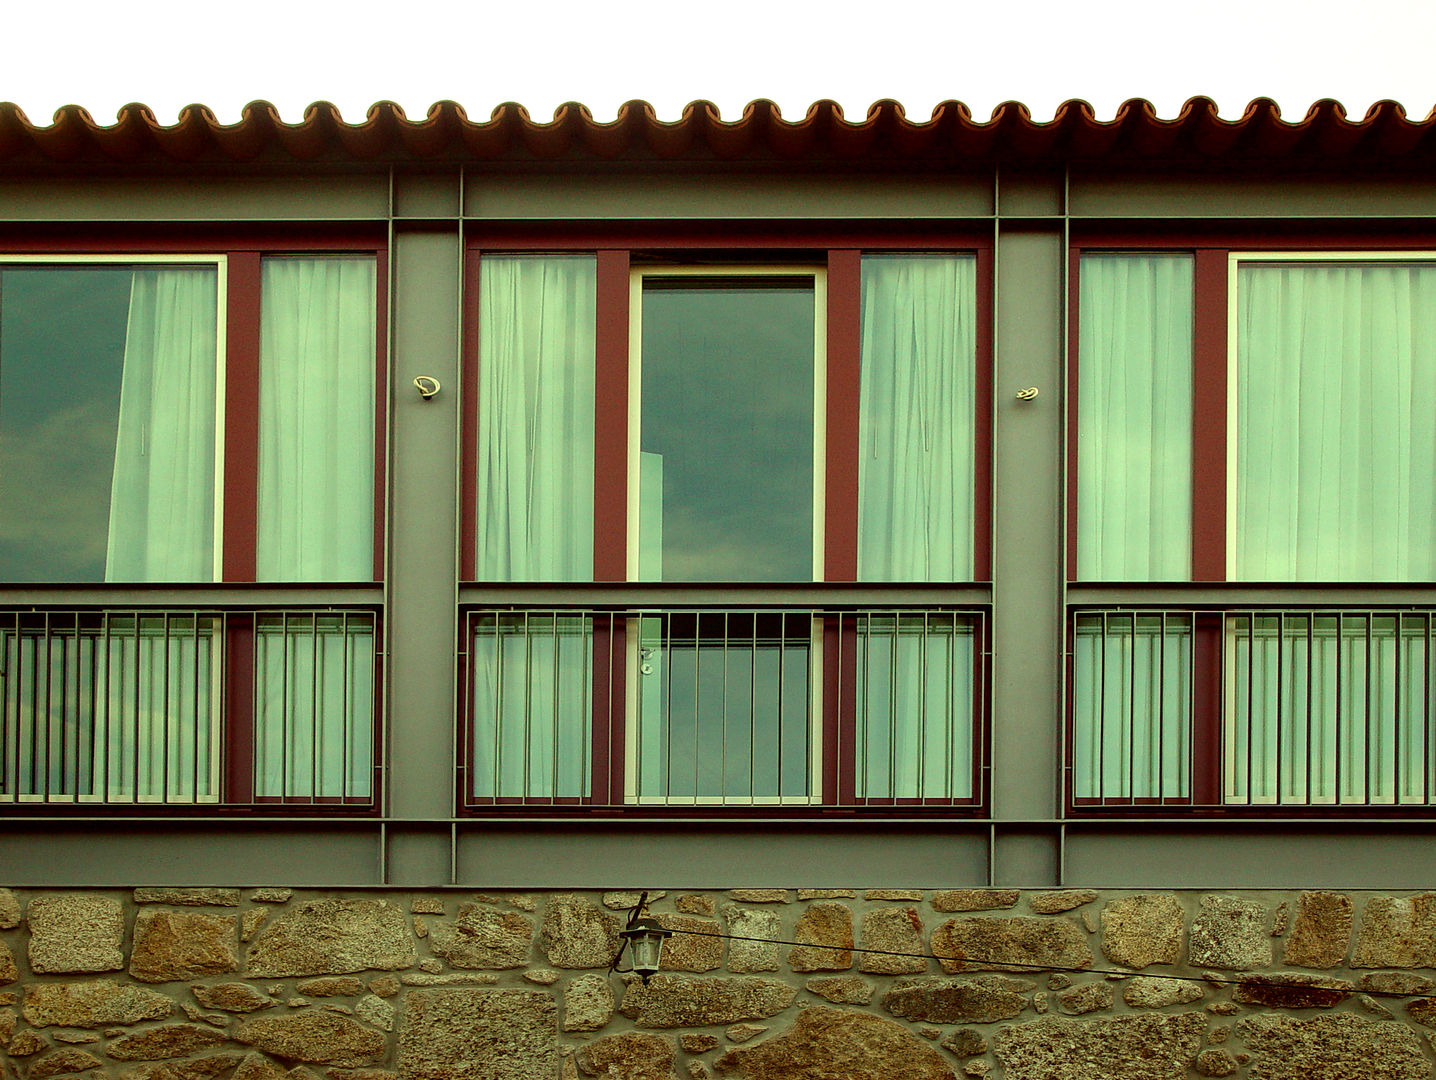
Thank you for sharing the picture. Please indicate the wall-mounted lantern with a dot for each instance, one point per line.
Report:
(643, 938)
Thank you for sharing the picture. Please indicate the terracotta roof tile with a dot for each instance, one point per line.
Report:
(949, 138)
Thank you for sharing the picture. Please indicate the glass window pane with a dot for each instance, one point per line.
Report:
(1335, 383)
(1134, 418)
(107, 423)
(915, 426)
(316, 419)
(723, 706)
(535, 422)
(727, 455)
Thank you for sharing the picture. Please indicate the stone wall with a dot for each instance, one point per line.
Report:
(274, 984)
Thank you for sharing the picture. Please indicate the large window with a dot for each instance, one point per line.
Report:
(1300, 677)
(176, 421)
(718, 684)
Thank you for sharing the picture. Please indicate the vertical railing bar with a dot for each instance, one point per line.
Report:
(892, 711)
(1161, 784)
(697, 684)
(1251, 704)
(69, 775)
(1371, 732)
(9, 673)
(1426, 714)
(527, 754)
(1280, 696)
(1132, 646)
(863, 734)
(723, 724)
(316, 725)
(200, 723)
(286, 737)
(44, 751)
(346, 733)
(922, 705)
(1310, 699)
(106, 699)
(587, 685)
(782, 694)
(1336, 794)
(1191, 719)
(498, 700)
(1101, 754)
(1398, 642)
(554, 718)
(950, 658)
(135, 727)
(665, 650)
(166, 630)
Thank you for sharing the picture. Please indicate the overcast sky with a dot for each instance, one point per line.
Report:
(168, 53)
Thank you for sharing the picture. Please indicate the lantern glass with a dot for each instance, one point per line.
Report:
(645, 941)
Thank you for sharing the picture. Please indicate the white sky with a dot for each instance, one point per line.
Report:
(167, 53)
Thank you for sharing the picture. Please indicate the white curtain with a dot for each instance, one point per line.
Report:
(535, 438)
(162, 492)
(316, 419)
(113, 708)
(1335, 442)
(1134, 418)
(915, 424)
(1328, 708)
(915, 700)
(532, 705)
(1131, 706)
(314, 705)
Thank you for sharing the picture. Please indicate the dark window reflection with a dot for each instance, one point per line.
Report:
(727, 384)
(62, 346)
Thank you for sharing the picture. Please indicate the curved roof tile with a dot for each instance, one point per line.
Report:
(885, 134)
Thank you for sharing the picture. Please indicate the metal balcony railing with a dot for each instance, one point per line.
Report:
(208, 707)
(722, 707)
(1252, 708)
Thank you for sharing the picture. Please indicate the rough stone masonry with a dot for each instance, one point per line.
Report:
(817, 984)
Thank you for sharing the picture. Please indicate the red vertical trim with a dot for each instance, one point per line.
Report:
(381, 400)
(241, 417)
(1209, 417)
(610, 416)
(1074, 335)
(982, 421)
(238, 645)
(844, 349)
(469, 418)
(1207, 709)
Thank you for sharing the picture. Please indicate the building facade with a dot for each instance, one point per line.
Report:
(906, 550)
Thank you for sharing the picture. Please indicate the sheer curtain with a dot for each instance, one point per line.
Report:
(533, 705)
(315, 674)
(535, 438)
(162, 492)
(915, 518)
(316, 419)
(1134, 418)
(915, 423)
(1335, 477)
(314, 704)
(1335, 445)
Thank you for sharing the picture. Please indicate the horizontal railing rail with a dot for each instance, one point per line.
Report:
(712, 707)
(1251, 708)
(205, 707)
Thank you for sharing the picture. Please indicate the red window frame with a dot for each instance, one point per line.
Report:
(839, 250)
(244, 251)
(1210, 250)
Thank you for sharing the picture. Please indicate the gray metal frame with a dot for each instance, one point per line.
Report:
(418, 840)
